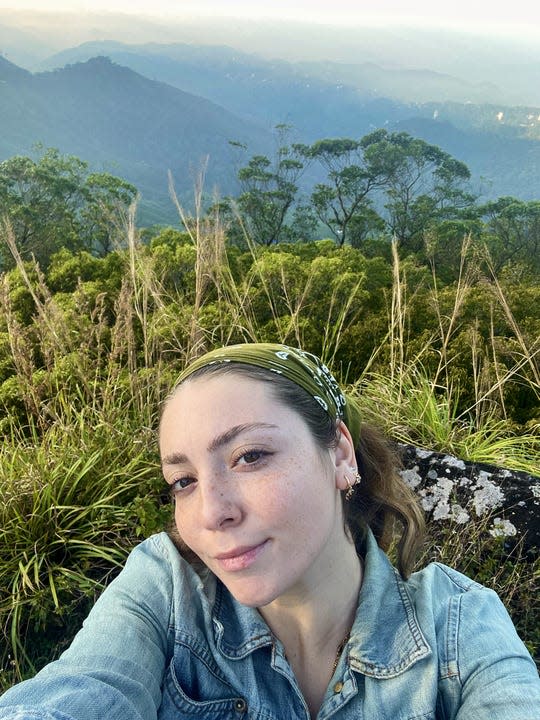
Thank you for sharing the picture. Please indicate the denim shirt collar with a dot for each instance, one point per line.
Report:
(385, 639)
(238, 629)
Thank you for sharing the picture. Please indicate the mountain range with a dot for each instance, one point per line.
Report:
(123, 123)
(139, 110)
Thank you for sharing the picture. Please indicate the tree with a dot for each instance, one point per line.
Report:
(513, 231)
(352, 178)
(54, 202)
(365, 225)
(102, 214)
(269, 188)
(425, 185)
(40, 200)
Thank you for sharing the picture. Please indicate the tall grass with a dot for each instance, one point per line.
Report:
(79, 480)
(69, 509)
(420, 402)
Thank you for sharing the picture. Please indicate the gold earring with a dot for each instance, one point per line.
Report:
(351, 485)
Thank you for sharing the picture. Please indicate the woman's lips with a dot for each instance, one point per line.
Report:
(240, 558)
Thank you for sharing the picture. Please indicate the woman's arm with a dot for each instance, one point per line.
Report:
(115, 665)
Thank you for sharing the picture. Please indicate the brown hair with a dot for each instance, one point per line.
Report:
(382, 501)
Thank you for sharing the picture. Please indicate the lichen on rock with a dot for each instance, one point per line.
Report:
(456, 490)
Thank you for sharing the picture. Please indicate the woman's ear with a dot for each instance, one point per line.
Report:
(344, 457)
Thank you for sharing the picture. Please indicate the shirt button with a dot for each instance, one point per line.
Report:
(338, 687)
(240, 705)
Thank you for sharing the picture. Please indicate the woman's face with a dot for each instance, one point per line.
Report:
(255, 498)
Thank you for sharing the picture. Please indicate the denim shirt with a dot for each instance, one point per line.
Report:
(165, 642)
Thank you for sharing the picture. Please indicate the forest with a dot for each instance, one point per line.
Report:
(424, 302)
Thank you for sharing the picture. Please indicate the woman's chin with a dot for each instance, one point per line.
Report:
(251, 592)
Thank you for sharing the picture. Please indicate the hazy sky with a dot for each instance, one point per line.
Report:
(505, 16)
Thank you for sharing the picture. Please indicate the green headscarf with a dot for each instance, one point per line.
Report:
(301, 367)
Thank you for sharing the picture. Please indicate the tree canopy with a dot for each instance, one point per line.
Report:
(55, 202)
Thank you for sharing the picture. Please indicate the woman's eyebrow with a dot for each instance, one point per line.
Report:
(223, 438)
(233, 432)
(174, 459)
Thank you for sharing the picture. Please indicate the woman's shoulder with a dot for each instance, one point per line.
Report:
(155, 559)
(158, 546)
(476, 643)
(158, 560)
(463, 613)
(445, 592)
(442, 579)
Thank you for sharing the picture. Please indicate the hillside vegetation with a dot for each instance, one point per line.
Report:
(439, 340)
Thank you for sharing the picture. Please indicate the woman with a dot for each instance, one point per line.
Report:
(282, 602)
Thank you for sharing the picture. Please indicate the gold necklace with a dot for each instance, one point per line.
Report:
(341, 648)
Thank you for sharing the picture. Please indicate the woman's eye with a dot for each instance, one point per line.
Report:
(250, 457)
(181, 484)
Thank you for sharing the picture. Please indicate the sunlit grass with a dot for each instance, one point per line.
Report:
(71, 506)
(417, 412)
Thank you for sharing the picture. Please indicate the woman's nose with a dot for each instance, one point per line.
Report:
(219, 505)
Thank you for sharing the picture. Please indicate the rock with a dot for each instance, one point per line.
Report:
(460, 491)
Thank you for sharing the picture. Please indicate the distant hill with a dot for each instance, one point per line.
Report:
(23, 47)
(10, 72)
(226, 75)
(123, 123)
(506, 61)
(501, 165)
(408, 85)
(262, 91)
(323, 99)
